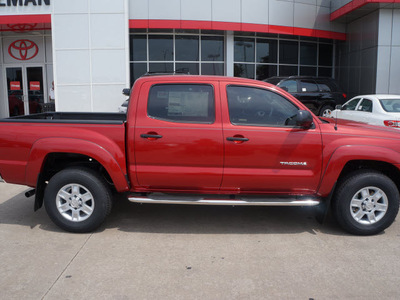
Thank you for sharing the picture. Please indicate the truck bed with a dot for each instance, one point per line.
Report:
(70, 117)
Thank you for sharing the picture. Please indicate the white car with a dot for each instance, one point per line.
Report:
(123, 107)
(382, 110)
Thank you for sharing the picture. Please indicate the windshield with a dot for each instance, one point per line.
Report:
(390, 105)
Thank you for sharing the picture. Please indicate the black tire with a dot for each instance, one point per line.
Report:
(77, 199)
(366, 202)
(326, 110)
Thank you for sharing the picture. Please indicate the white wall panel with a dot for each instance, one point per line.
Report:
(325, 3)
(313, 2)
(322, 21)
(255, 11)
(281, 13)
(73, 98)
(107, 98)
(161, 9)
(385, 27)
(305, 15)
(196, 10)
(138, 9)
(226, 10)
(108, 66)
(73, 67)
(106, 6)
(71, 6)
(72, 31)
(383, 70)
(105, 36)
(396, 28)
(394, 86)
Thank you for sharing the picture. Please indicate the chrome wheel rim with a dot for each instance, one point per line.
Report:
(75, 202)
(369, 205)
(326, 113)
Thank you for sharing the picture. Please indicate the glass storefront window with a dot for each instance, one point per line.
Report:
(244, 70)
(267, 51)
(160, 47)
(266, 71)
(288, 52)
(325, 55)
(138, 46)
(212, 69)
(191, 68)
(308, 54)
(287, 70)
(187, 48)
(244, 50)
(212, 48)
(159, 51)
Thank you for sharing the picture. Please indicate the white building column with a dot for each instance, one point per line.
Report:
(229, 52)
(90, 54)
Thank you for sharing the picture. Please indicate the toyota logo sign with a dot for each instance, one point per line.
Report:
(23, 50)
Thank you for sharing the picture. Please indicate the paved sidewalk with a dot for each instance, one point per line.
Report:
(192, 252)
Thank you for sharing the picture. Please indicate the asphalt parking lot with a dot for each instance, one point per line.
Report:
(192, 252)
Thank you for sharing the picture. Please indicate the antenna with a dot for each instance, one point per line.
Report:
(338, 107)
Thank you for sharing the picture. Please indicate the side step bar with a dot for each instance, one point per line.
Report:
(159, 198)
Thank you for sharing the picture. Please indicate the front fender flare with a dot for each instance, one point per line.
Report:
(344, 154)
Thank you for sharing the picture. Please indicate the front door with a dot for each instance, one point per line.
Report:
(264, 151)
(25, 90)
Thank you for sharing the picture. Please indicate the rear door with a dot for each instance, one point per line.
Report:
(264, 152)
(178, 137)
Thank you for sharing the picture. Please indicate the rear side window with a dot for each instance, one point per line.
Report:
(186, 103)
(365, 105)
(307, 86)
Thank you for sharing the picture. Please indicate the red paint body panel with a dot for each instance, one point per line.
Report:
(24, 147)
(197, 158)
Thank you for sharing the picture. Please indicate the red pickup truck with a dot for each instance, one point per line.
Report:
(204, 140)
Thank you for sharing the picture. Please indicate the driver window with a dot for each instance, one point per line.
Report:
(351, 105)
(258, 107)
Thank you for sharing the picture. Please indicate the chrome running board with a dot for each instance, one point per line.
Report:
(160, 198)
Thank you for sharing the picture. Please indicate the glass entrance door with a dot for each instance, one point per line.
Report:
(34, 77)
(25, 90)
(15, 91)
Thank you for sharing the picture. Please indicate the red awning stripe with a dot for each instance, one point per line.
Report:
(25, 19)
(215, 25)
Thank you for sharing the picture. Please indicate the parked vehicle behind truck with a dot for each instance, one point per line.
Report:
(203, 140)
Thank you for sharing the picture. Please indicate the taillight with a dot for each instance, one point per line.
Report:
(392, 123)
(344, 95)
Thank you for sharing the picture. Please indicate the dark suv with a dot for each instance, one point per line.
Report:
(319, 94)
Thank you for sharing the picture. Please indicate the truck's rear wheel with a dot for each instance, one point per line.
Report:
(77, 199)
(366, 202)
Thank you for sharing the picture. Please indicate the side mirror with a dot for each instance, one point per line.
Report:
(126, 92)
(304, 119)
(338, 107)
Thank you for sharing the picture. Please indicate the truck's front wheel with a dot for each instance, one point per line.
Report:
(77, 199)
(366, 202)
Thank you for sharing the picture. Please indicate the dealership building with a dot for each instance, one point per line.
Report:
(92, 49)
